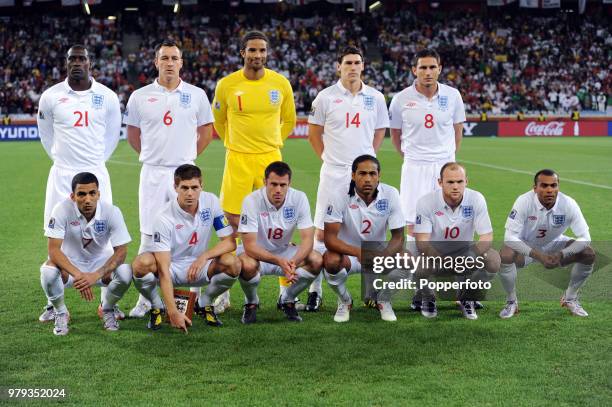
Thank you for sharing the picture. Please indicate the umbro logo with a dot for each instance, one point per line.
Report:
(353, 206)
(532, 217)
(63, 100)
(75, 223)
(179, 227)
(152, 100)
(439, 213)
(338, 101)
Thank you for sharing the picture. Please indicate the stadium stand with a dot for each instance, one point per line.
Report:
(501, 65)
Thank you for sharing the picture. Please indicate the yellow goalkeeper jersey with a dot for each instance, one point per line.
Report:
(254, 116)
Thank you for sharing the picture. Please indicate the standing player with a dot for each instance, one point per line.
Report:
(169, 123)
(179, 254)
(364, 214)
(87, 246)
(79, 121)
(445, 223)
(426, 121)
(254, 113)
(347, 119)
(268, 221)
(535, 231)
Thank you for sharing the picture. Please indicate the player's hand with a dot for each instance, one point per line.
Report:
(288, 268)
(85, 280)
(554, 260)
(87, 294)
(196, 267)
(179, 321)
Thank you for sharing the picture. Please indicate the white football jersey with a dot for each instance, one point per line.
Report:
(168, 122)
(79, 129)
(537, 226)
(185, 236)
(361, 223)
(427, 125)
(84, 241)
(274, 227)
(434, 216)
(348, 121)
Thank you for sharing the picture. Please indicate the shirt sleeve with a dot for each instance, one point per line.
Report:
(113, 125)
(119, 231)
(423, 222)
(396, 217)
(516, 219)
(162, 235)
(317, 111)
(204, 115)
(304, 216)
(382, 114)
(288, 115)
(220, 109)
(482, 221)
(579, 226)
(44, 119)
(131, 117)
(334, 213)
(395, 113)
(459, 113)
(56, 228)
(248, 217)
(220, 223)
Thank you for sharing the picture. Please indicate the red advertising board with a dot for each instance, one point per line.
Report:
(559, 128)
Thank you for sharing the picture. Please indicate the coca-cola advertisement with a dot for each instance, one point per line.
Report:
(555, 128)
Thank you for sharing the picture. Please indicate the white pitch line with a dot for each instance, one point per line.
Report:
(563, 179)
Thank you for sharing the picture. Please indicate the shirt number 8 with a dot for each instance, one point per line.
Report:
(429, 121)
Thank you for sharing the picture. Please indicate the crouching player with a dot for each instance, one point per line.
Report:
(446, 221)
(535, 231)
(180, 255)
(87, 246)
(364, 214)
(269, 218)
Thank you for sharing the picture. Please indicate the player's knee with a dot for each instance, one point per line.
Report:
(506, 255)
(249, 267)
(49, 273)
(144, 264)
(332, 262)
(315, 262)
(492, 261)
(230, 264)
(587, 256)
(123, 274)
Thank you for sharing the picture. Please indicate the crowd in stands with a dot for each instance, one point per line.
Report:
(500, 65)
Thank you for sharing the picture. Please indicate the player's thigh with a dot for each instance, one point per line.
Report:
(106, 192)
(59, 187)
(260, 163)
(155, 185)
(237, 181)
(333, 181)
(179, 271)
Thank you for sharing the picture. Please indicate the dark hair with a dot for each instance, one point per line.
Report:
(84, 178)
(78, 46)
(547, 172)
(167, 43)
(279, 168)
(425, 53)
(356, 162)
(451, 165)
(349, 50)
(186, 172)
(252, 35)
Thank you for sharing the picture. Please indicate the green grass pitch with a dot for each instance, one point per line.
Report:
(542, 357)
